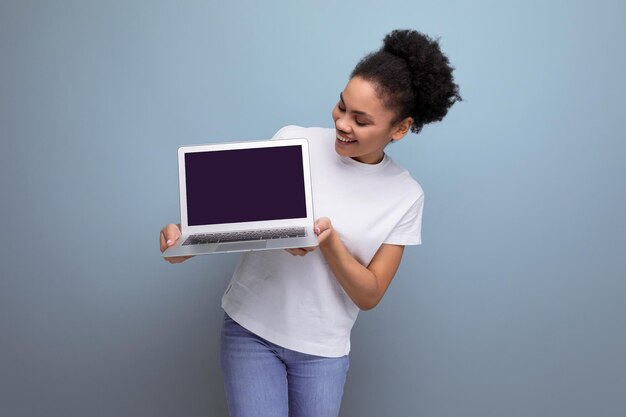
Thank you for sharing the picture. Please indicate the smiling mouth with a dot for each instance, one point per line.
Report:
(345, 140)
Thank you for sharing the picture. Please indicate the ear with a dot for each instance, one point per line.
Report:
(401, 129)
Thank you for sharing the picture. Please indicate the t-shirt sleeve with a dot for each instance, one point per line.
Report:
(287, 132)
(408, 231)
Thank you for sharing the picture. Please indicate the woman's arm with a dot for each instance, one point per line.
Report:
(365, 285)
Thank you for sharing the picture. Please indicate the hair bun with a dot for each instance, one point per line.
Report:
(418, 50)
(405, 43)
(412, 75)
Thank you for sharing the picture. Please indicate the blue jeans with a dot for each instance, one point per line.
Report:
(262, 379)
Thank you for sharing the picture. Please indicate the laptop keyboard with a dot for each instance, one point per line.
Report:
(243, 236)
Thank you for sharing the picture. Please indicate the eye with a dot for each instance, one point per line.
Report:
(340, 107)
(360, 122)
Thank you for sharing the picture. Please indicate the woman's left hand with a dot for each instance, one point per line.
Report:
(323, 228)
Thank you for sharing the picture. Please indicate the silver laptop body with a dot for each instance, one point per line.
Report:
(244, 196)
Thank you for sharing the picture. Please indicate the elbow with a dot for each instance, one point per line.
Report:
(368, 300)
(366, 305)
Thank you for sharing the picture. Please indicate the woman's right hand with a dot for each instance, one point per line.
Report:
(169, 235)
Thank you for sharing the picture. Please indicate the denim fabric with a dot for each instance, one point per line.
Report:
(262, 379)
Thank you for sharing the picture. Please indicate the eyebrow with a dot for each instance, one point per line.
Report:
(356, 111)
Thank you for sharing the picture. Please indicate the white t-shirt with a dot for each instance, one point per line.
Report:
(295, 301)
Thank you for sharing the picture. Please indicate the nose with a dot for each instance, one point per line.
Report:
(342, 124)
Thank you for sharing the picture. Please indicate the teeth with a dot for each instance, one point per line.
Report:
(345, 140)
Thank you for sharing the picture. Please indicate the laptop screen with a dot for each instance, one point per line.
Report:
(243, 185)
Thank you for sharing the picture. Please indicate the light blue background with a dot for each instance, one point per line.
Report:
(514, 305)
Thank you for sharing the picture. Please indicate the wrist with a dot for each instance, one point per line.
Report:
(329, 240)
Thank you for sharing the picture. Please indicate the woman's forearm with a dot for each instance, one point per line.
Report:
(361, 284)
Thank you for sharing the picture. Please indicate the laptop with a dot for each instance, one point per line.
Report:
(244, 196)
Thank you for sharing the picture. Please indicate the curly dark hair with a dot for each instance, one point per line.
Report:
(412, 76)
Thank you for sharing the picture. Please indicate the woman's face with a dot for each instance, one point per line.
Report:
(363, 123)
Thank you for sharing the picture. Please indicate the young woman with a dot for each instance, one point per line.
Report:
(286, 333)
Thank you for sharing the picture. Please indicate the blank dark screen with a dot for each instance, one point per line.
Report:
(245, 185)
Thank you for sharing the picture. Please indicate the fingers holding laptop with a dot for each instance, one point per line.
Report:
(323, 228)
(169, 235)
(301, 251)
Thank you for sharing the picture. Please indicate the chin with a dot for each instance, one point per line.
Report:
(341, 151)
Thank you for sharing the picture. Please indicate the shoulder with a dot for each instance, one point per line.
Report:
(320, 139)
(404, 181)
(311, 133)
